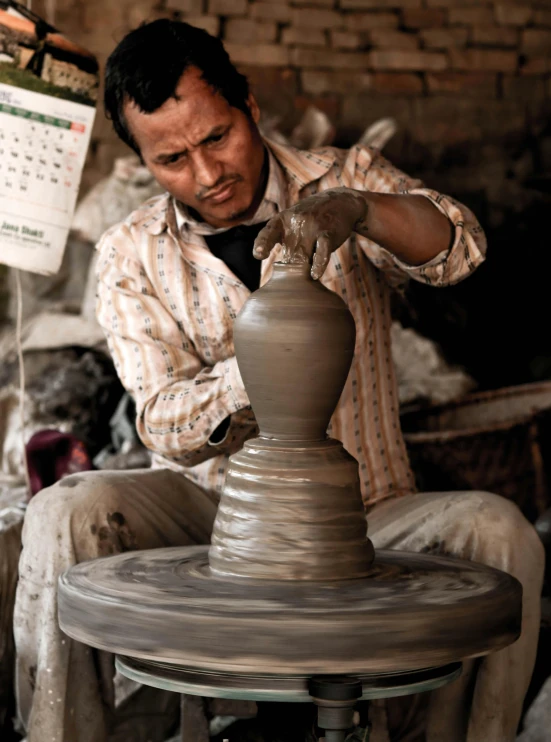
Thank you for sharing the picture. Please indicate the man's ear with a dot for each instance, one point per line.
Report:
(253, 108)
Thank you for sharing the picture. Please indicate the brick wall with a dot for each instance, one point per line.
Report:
(468, 80)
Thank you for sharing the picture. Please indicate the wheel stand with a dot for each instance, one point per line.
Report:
(334, 696)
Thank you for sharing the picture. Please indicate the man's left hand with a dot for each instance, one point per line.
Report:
(315, 227)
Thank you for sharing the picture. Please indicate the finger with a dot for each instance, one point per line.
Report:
(324, 248)
(268, 238)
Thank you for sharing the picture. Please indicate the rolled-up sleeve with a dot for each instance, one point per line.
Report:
(468, 245)
(180, 402)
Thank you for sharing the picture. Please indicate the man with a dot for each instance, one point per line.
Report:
(172, 278)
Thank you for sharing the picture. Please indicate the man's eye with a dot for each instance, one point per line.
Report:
(217, 137)
(173, 159)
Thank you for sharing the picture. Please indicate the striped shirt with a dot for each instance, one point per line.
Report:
(167, 306)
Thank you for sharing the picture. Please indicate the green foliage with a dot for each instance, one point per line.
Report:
(11, 75)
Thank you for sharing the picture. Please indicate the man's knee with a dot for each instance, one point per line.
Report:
(499, 520)
(64, 507)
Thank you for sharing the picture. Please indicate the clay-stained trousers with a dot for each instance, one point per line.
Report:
(66, 691)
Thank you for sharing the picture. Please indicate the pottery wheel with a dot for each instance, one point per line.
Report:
(290, 587)
(412, 611)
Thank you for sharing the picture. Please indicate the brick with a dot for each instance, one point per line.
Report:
(443, 38)
(536, 66)
(245, 31)
(378, 4)
(97, 17)
(274, 88)
(329, 104)
(346, 40)
(270, 55)
(522, 88)
(382, 59)
(266, 11)
(101, 44)
(228, 7)
(451, 3)
(494, 36)
(209, 23)
(471, 16)
(542, 18)
(489, 60)
(293, 36)
(194, 7)
(359, 110)
(536, 41)
(319, 82)
(397, 83)
(469, 83)
(387, 38)
(329, 59)
(423, 17)
(513, 15)
(467, 120)
(369, 21)
(316, 18)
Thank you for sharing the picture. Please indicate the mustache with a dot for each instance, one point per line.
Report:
(208, 191)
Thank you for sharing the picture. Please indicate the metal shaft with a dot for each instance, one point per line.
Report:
(335, 735)
(335, 698)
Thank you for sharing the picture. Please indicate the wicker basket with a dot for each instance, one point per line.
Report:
(497, 441)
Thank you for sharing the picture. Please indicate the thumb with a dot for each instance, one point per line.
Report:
(268, 238)
(323, 252)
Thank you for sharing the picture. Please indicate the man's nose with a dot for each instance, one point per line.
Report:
(207, 169)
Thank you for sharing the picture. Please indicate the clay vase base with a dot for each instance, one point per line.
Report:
(291, 511)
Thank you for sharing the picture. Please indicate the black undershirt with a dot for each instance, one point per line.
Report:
(235, 248)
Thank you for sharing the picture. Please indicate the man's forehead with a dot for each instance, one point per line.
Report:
(185, 118)
(191, 92)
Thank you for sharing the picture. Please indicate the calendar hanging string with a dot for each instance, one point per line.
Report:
(50, 14)
(48, 94)
(21, 361)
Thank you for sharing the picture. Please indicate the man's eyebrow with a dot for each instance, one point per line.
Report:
(220, 129)
(166, 156)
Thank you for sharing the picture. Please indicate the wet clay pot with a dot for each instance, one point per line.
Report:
(291, 506)
(294, 342)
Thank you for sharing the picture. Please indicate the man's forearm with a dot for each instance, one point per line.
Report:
(184, 420)
(410, 227)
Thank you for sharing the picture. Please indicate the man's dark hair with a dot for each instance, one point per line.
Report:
(147, 64)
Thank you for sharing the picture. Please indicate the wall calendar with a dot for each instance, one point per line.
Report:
(47, 108)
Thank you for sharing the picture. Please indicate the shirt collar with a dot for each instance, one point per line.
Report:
(290, 170)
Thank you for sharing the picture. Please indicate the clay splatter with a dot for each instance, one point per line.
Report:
(115, 537)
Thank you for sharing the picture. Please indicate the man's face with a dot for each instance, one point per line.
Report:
(205, 153)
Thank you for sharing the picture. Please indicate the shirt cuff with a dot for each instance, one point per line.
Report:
(221, 433)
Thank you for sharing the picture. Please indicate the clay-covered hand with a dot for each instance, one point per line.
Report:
(313, 228)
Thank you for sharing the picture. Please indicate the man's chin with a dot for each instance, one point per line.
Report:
(230, 214)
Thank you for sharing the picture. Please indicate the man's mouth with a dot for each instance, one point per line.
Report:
(222, 194)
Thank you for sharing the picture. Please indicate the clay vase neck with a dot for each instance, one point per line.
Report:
(294, 342)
